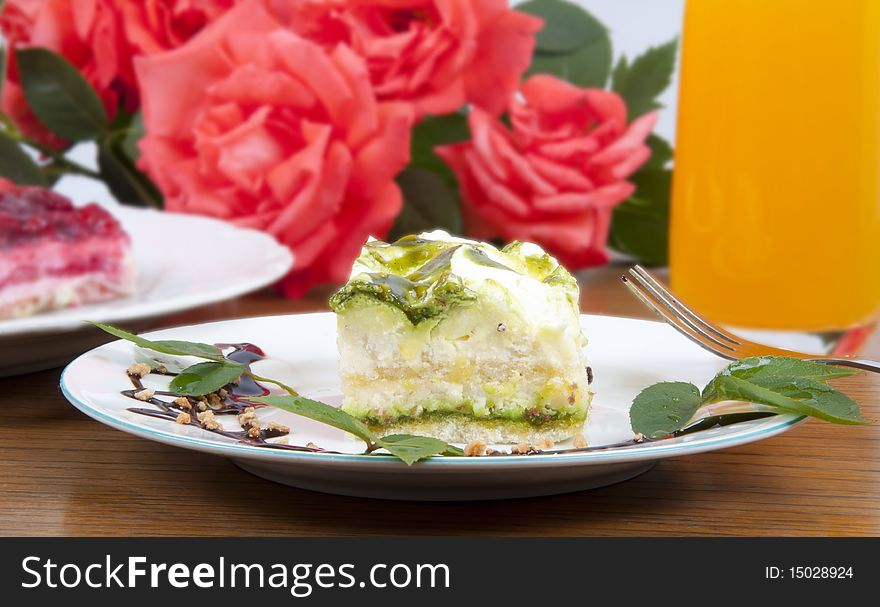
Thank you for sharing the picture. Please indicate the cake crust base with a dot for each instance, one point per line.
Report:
(463, 429)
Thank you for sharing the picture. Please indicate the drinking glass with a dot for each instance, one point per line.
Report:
(775, 219)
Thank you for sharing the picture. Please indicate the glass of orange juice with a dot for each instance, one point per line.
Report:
(776, 193)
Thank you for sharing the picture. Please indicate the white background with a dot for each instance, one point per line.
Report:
(635, 25)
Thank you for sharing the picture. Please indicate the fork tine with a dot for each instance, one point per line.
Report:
(644, 277)
(682, 324)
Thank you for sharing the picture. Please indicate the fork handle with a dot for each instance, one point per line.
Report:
(858, 363)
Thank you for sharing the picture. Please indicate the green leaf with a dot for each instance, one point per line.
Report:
(798, 395)
(640, 225)
(758, 369)
(59, 96)
(132, 137)
(428, 203)
(320, 412)
(435, 131)
(16, 165)
(586, 67)
(661, 153)
(4, 58)
(125, 181)
(169, 346)
(204, 378)
(411, 448)
(567, 27)
(663, 408)
(640, 82)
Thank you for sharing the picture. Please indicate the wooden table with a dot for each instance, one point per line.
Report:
(63, 474)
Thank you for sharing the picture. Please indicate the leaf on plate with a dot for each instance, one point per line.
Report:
(788, 394)
(204, 378)
(320, 412)
(640, 82)
(663, 408)
(59, 96)
(168, 346)
(411, 448)
(16, 165)
(757, 368)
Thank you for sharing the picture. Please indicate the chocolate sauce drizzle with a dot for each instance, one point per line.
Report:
(237, 400)
(234, 402)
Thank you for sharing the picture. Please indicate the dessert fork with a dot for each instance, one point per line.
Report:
(711, 336)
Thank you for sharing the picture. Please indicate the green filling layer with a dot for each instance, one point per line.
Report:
(521, 425)
(534, 418)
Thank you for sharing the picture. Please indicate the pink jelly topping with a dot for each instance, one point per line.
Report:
(30, 213)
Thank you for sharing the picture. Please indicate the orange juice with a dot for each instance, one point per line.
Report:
(776, 195)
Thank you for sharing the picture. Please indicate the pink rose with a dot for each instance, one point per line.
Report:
(251, 123)
(153, 26)
(100, 38)
(555, 176)
(436, 54)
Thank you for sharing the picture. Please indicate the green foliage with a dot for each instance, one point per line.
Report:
(430, 203)
(16, 165)
(640, 225)
(122, 177)
(59, 96)
(572, 45)
(643, 80)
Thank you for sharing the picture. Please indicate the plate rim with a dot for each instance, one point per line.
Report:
(280, 260)
(647, 451)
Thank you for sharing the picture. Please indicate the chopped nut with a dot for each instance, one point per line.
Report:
(638, 437)
(183, 419)
(138, 370)
(214, 400)
(201, 406)
(183, 402)
(311, 445)
(255, 431)
(208, 420)
(145, 394)
(475, 448)
(521, 449)
(282, 441)
(502, 327)
(491, 452)
(278, 427)
(248, 417)
(162, 370)
(544, 443)
(579, 442)
(223, 393)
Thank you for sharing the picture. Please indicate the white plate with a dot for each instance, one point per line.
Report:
(183, 261)
(626, 355)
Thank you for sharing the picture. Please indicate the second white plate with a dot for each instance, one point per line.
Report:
(183, 261)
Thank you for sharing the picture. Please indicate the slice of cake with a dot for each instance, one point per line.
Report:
(458, 340)
(54, 255)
